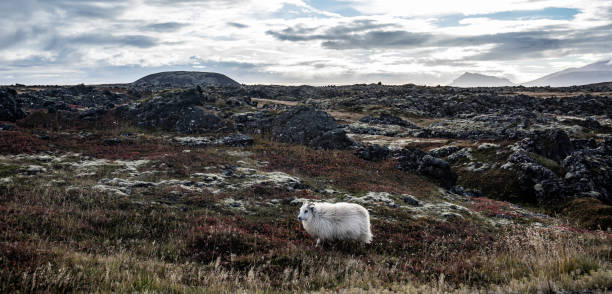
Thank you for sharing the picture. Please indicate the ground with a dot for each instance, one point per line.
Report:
(82, 212)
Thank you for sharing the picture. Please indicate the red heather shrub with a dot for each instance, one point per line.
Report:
(17, 142)
(229, 238)
(428, 247)
(490, 207)
(589, 213)
(341, 168)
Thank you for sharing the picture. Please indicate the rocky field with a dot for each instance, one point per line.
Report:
(158, 188)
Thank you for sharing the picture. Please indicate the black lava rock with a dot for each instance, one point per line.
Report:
(373, 153)
(536, 180)
(388, 119)
(411, 201)
(235, 140)
(411, 159)
(111, 142)
(306, 126)
(552, 143)
(177, 111)
(10, 108)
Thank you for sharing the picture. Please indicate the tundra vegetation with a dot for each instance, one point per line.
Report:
(109, 196)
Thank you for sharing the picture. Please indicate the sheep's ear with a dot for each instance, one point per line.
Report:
(311, 207)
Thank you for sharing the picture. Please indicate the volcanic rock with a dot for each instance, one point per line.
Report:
(10, 109)
(411, 159)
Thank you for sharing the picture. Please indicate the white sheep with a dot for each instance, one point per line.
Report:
(336, 221)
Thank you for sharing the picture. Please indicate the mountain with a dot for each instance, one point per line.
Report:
(597, 72)
(186, 79)
(478, 80)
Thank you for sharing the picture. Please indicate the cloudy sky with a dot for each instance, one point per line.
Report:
(299, 41)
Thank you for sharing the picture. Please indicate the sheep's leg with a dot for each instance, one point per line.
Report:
(318, 242)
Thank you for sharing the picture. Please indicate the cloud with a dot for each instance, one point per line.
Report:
(366, 34)
(379, 39)
(140, 41)
(237, 25)
(343, 32)
(299, 41)
(163, 27)
(71, 9)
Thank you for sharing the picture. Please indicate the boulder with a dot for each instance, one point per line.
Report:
(334, 139)
(439, 170)
(415, 160)
(580, 144)
(410, 200)
(235, 140)
(196, 120)
(180, 111)
(373, 152)
(443, 151)
(535, 180)
(388, 119)
(306, 126)
(10, 109)
(551, 143)
(589, 173)
(93, 114)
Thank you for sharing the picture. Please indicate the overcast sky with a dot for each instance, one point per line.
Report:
(299, 41)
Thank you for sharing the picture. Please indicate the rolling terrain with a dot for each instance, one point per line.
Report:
(179, 187)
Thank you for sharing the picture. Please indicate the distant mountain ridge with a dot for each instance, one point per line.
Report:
(186, 79)
(479, 80)
(593, 73)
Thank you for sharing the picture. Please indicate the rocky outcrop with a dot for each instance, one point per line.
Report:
(177, 111)
(552, 143)
(535, 179)
(443, 151)
(334, 139)
(589, 172)
(10, 108)
(232, 140)
(373, 152)
(65, 98)
(300, 125)
(388, 119)
(415, 160)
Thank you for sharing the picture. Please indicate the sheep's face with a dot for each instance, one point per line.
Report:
(306, 212)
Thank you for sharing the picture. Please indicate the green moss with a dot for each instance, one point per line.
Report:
(489, 155)
(7, 170)
(548, 163)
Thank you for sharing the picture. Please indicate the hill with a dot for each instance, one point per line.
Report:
(597, 72)
(479, 80)
(186, 79)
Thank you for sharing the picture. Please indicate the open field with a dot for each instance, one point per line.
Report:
(107, 205)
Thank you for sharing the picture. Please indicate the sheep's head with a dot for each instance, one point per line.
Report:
(306, 211)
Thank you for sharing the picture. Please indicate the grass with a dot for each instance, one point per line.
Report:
(172, 240)
(589, 213)
(340, 169)
(57, 242)
(496, 183)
